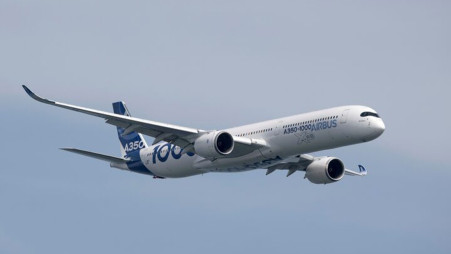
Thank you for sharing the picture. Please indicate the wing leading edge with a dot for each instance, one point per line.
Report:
(178, 135)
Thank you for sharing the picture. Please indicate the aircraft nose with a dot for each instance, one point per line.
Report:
(379, 127)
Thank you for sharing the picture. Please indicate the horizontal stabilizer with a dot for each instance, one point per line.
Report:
(98, 156)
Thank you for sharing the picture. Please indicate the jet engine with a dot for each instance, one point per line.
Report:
(214, 144)
(325, 170)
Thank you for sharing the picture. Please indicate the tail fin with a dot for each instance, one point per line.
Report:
(131, 142)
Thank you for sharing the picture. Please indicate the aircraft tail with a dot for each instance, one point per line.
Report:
(131, 141)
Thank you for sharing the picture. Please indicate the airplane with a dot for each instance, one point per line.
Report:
(279, 144)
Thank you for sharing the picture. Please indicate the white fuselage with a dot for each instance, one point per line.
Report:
(285, 137)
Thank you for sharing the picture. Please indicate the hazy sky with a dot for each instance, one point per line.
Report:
(213, 65)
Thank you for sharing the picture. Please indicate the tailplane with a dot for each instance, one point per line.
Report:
(131, 141)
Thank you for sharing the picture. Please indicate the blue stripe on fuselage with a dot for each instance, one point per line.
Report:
(138, 167)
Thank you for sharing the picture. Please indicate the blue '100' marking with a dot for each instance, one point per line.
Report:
(171, 150)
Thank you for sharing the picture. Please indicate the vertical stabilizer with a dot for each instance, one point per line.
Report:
(131, 141)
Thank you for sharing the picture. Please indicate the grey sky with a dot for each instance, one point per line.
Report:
(212, 65)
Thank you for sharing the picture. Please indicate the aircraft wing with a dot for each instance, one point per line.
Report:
(98, 156)
(301, 162)
(178, 135)
(362, 172)
(293, 164)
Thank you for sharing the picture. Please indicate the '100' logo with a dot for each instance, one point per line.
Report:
(163, 152)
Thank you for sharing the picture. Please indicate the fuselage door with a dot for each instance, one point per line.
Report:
(344, 116)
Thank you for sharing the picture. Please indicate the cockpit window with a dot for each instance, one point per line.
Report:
(365, 114)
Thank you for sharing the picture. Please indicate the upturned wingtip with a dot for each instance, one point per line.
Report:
(34, 96)
(27, 90)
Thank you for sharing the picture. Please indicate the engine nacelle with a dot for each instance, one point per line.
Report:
(325, 170)
(214, 144)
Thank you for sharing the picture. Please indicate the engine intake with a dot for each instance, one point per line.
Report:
(214, 144)
(224, 143)
(325, 170)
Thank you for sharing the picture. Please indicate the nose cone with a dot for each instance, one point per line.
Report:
(378, 126)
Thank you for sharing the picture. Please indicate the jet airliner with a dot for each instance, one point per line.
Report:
(279, 144)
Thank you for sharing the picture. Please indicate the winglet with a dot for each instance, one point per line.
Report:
(362, 170)
(34, 96)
